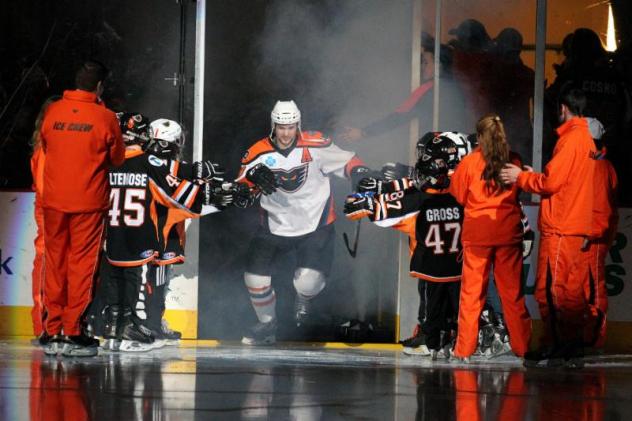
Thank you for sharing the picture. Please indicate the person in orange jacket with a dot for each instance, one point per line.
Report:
(604, 230)
(492, 236)
(81, 139)
(565, 223)
(38, 313)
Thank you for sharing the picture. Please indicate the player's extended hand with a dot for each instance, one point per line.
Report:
(262, 177)
(358, 206)
(205, 171)
(370, 184)
(351, 134)
(395, 171)
(243, 196)
(509, 173)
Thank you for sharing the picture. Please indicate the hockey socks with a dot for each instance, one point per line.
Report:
(262, 296)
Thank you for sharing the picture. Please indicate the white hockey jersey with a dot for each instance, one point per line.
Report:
(303, 200)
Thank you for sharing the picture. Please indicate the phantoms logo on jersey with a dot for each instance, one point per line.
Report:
(291, 180)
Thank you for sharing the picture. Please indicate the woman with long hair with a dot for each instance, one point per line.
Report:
(38, 313)
(492, 237)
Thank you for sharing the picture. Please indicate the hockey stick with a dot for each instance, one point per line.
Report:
(354, 250)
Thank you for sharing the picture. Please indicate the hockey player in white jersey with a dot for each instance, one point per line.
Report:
(291, 169)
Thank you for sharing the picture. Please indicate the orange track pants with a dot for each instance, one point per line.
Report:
(559, 288)
(73, 243)
(507, 262)
(596, 293)
(37, 276)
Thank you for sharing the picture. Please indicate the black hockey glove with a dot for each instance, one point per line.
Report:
(243, 196)
(396, 171)
(204, 171)
(527, 243)
(360, 172)
(262, 177)
(370, 185)
(359, 205)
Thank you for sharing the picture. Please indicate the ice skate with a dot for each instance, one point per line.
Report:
(171, 337)
(261, 334)
(416, 344)
(301, 309)
(55, 345)
(80, 346)
(136, 338)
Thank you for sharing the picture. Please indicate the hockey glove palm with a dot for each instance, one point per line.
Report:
(358, 206)
(262, 177)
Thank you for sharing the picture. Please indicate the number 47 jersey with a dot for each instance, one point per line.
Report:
(136, 186)
(433, 221)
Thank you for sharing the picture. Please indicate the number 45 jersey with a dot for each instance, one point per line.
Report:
(133, 237)
(433, 221)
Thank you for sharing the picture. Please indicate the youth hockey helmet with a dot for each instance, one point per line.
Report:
(285, 112)
(134, 128)
(167, 138)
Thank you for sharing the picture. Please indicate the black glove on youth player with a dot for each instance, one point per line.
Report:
(396, 171)
(262, 177)
(358, 206)
(204, 171)
(370, 184)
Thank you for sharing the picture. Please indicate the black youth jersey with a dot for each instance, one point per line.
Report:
(433, 221)
(132, 235)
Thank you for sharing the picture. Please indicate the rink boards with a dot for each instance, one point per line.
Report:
(16, 256)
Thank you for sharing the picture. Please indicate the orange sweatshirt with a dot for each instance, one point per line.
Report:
(81, 139)
(490, 219)
(566, 186)
(605, 214)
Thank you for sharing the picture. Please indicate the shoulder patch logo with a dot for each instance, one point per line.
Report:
(155, 161)
(291, 180)
(270, 161)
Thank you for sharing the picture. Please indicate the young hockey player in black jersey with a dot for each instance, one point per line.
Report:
(423, 209)
(132, 239)
(291, 168)
(170, 225)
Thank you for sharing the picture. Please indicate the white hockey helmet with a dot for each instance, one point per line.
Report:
(166, 138)
(461, 141)
(285, 112)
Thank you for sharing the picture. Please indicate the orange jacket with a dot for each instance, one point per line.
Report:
(605, 214)
(490, 219)
(81, 139)
(566, 185)
(38, 160)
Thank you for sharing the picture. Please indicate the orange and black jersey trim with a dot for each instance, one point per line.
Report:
(137, 186)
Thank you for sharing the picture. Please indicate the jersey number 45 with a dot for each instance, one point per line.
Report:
(133, 207)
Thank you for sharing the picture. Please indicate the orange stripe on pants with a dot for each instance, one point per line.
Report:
(73, 242)
(559, 288)
(37, 276)
(507, 262)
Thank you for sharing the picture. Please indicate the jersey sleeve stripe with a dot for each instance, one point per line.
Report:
(191, 198)
(182, 188)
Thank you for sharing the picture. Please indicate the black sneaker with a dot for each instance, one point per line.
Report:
(546, 357)
(261, 334)
(80, 346)
(55, 345)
